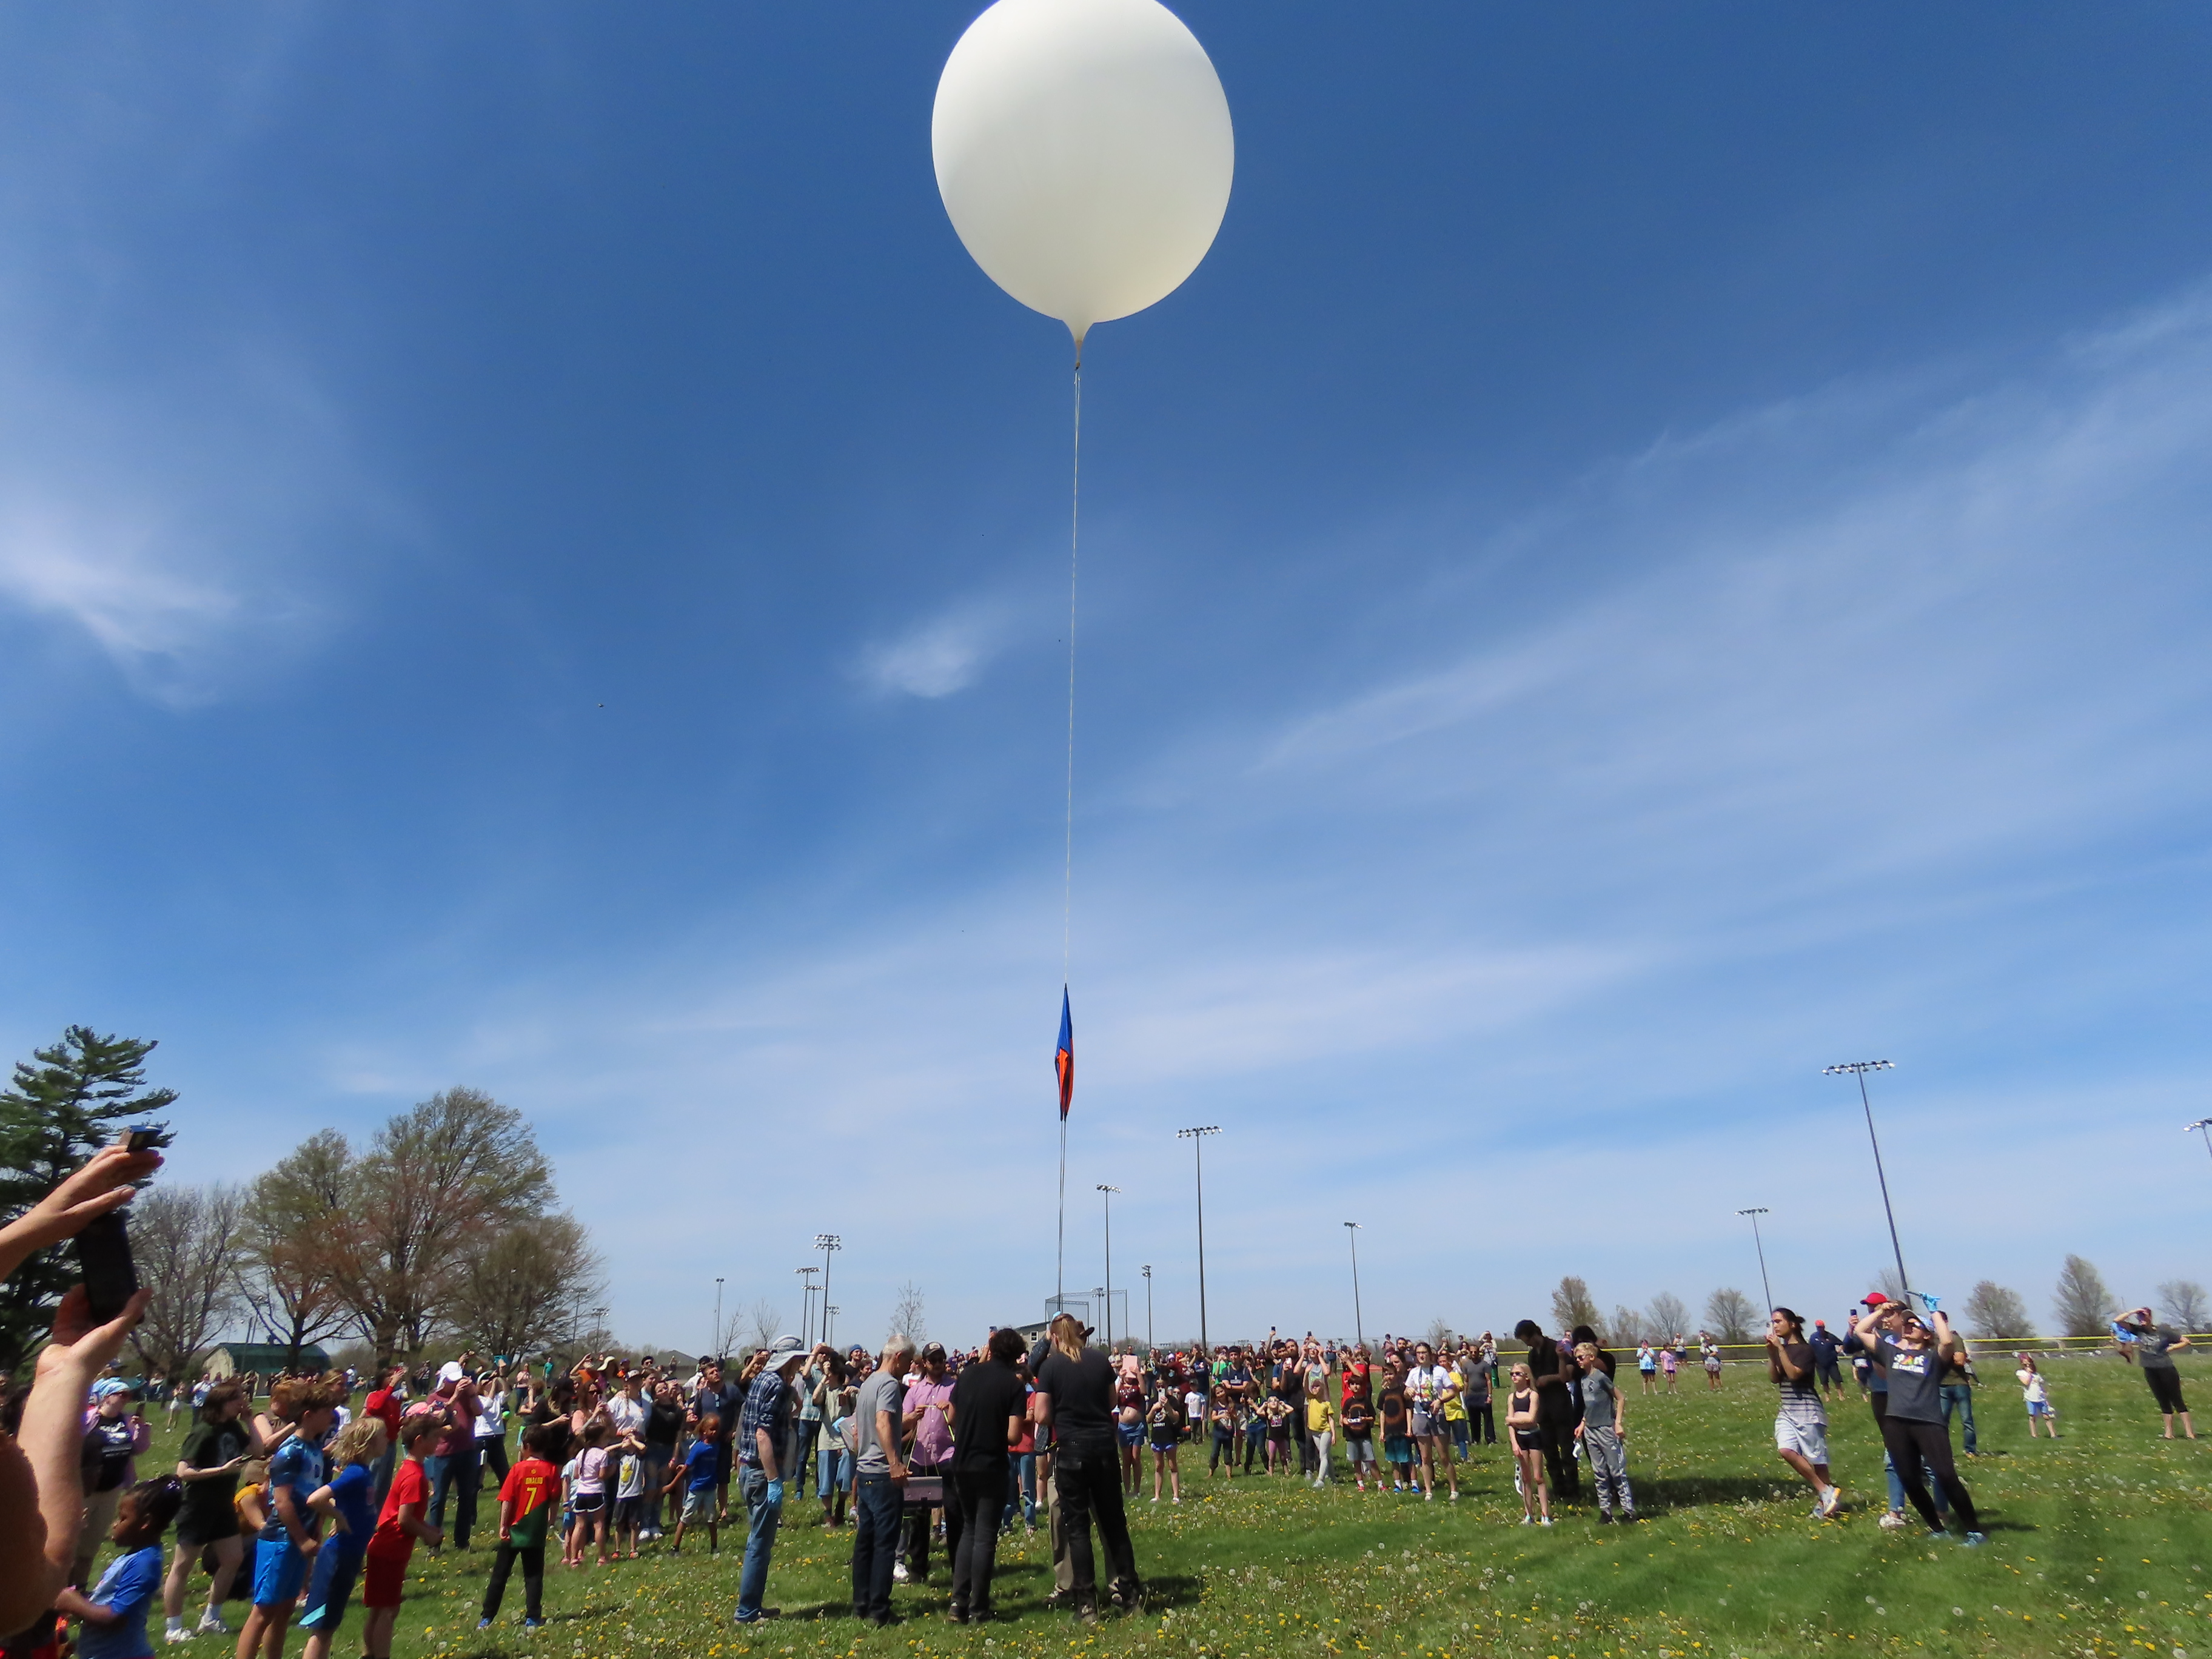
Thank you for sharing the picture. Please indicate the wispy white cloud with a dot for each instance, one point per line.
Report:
(936, 658)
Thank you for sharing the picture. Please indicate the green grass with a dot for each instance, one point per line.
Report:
(2098, 1544)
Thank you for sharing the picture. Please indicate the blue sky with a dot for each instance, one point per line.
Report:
(1663, 549)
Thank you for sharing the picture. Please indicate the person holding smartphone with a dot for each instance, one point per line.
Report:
(214, 1450)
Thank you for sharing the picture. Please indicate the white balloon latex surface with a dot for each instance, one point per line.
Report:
(1084, 152)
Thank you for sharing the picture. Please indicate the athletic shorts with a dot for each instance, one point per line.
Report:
(586, 1502)
(209, 1526)
(382, 1576)
(1803, 1434)
(1397, 1449)
(330, 1587)
(698, 1507)
(279, 1570)
(1160, 1445)
(1424, 1425)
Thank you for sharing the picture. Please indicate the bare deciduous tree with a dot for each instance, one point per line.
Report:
(2081, 1304)
(1572, 1305)
(1997, 1313)
(182, 1238)
(1730, 1314)
(767, 1322)
(907, 1316)
(2183, 1303)
(526, 1288)
(1626, 1328)
(1669, 1317)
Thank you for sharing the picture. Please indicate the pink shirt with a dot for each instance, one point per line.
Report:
(932, 1441)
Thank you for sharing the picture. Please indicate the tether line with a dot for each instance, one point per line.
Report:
(1074, 527)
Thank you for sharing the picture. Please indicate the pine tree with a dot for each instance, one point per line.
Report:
(57, 1113)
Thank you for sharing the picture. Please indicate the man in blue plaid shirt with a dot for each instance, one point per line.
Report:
(764, 1441)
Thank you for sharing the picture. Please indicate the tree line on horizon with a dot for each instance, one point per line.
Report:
(444, 1226)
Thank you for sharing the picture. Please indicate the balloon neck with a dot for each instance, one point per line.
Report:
(1078, 334)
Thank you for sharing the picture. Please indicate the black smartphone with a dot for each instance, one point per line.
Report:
(103, 1258)
(140, 1140)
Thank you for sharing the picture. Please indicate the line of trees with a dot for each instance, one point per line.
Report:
(446, 1225)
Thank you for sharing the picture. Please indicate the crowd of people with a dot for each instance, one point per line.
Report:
(293, 1503)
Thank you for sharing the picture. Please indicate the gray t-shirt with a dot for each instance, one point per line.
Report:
(2152, 1346)
(1600, 1400)
(882, 1392)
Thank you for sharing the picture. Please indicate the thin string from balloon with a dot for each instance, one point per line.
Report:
(1074, 526)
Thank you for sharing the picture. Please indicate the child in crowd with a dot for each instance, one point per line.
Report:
(1320, 1427)
(1526, 1434)
(1224, 1436)
(525, 1506)
(1164, 1428)
(391, 1546)
(113, 1617)
(695, 1474)
(289, 1537)
(629, 1497)
(1358, 1419)
(351, 1497)
(588, 1496)
(1397, 1444)
(2037, 1396)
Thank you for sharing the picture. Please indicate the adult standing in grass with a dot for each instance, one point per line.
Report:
(1801, 1424)
(879, 1481)
(766, 1439)
(929, 1414)
(2155, 1345)
(1910, 1354)
(1551, 1372)
(989, 1402)
(1428, 1385)
(1827, 1375)
(1477, 1376)
(1076, 1387)
(1958, 1393)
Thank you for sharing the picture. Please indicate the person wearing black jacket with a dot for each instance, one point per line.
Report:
(1076, 1384)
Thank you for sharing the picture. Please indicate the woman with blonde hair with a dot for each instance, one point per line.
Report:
(1075, 1384)
(1528, 1435)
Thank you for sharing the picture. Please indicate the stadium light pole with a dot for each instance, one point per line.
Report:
(1359, 1325)
(826, 1243)
(714, 1347)
(1197, 1138)
(1106, 1192)
(806, 1303)
(1859, 1068)
(1767, 1289)
(1148, 1307)
(2203, 1124)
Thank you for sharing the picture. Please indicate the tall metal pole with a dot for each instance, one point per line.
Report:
(1197, 1138)
(2203, 1124)
(1148, 1307)
(1765, 1288)
(806, 1303)
(714, 1347)
(1359, 1325)
(826, 1243)
(1859, 1068)
(1107, 1193)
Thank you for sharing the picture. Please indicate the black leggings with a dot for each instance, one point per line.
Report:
(2165, 1387)
(1908, 1440)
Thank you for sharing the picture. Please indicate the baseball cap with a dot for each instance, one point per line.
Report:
(108, 1385)
(936, 1350)
(1876, 1298)
(450, 1371)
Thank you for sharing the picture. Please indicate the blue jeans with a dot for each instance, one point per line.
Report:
(1021, 1488)
(459, 1474)
(761, 1519)
(1960, 1395)
(876, 1506)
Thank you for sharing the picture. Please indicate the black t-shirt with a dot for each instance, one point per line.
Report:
(207, 1446)
(113, 1438)
(664, 1424)
(984, 1396)
(1545, 1359)
(1082, 1393)
(1393, 1402)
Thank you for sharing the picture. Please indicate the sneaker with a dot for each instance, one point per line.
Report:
(483, 1624)
(176, 1633)
(1831, 1501)
(1605, 1517)
(1974, 1538)
(1891, 1521)
(1086, 1615)
(1528, 1519)
(533, 1624)
(1546, 1521)
(1937, 1533)
(211, 1625)
(898, 1571)
(885, 1620)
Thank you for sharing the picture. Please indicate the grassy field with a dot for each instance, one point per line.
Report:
(2098, 1544)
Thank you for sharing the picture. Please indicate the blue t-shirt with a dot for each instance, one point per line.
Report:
(300, 1466)
(700, 1462)
(355, 1489)
(128, 1586)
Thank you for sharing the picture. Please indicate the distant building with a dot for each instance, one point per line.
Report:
(265, 1358)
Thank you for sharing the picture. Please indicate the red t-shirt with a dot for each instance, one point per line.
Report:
(384, 1405)
(530, 1485)
(408, 1486)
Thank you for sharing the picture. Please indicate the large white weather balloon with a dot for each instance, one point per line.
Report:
(1084, 152)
